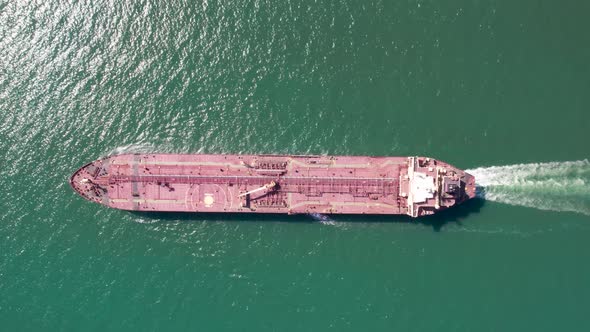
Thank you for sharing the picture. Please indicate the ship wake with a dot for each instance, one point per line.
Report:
(555, 186)
(323, 219)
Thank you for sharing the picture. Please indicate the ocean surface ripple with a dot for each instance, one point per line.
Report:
(80, 80)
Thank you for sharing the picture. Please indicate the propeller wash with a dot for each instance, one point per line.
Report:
(556, 186)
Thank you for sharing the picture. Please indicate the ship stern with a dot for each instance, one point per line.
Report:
(435, 185)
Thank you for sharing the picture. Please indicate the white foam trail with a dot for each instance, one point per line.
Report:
(141, 148)
(131, 148)
(556, 186)
(322, 218)
(145, 221)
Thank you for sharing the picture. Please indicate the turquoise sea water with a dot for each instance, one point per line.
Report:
(474, 83)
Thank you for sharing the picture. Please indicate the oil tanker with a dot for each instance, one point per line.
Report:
(291, 184)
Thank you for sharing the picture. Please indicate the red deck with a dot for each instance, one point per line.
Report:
(274, 184)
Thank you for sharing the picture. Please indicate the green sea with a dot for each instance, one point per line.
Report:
(475, 83)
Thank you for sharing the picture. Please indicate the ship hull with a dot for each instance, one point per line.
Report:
(288, 184)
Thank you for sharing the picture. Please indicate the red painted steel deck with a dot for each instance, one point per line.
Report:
(274, 184)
